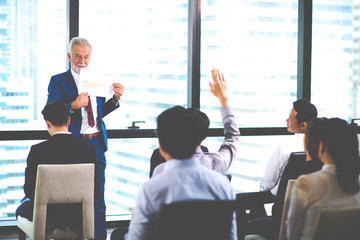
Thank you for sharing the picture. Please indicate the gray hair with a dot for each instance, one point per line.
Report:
(78, 41)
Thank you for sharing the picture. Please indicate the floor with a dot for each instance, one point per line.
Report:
(15, 236)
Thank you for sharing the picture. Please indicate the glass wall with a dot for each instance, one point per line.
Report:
(13, 156)
(128, 168)
(33, 38)
(335, 58)
(254, 43)
(145, 45)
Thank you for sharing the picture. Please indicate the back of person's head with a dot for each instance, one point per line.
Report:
(176, 129)
(56, 113)
(78, 41)
(306, 111)
(341, 142)
(202, 123)
(312, 137)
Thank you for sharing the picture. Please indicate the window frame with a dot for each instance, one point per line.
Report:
(193, 84)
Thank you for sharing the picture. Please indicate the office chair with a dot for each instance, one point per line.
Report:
(283, 218)
(337, 223)
(194, 220)
(61, 184)
(251, 205)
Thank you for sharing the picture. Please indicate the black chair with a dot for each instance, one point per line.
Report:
(296, 166)
(250, 206)
(196, 220)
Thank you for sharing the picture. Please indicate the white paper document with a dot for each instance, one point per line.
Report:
(96, 83)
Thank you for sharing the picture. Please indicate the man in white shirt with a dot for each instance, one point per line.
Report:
(300, 115)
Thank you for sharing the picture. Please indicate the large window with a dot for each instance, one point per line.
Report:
(146, 45)
(335, 58)
(255, 44)
(33, 37)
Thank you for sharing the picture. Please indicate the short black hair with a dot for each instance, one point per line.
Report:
(306, 111)
(56, 112)
(176, 129)
(202, 123)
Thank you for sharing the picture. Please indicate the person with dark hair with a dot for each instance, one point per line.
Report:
(202, 129)
(300, 116)
(335, 143)
(86, 113)
(298, 164)
(183, 177)
(221, 160)
(55, 151)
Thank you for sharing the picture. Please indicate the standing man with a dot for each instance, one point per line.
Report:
(300, 116)
(86, 113)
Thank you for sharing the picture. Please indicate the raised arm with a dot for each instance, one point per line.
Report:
(222, 159)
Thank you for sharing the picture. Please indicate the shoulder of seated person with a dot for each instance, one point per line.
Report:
(303, 184)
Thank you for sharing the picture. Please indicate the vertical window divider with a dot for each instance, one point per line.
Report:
(193, 69)
(72, 21)
(304, 49)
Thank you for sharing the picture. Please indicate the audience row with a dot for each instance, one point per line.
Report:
(182, 169)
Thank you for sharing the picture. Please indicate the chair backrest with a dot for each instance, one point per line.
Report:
(62, 184)
(295, 167)
(290, 185)
(198, 219)
(337, 223)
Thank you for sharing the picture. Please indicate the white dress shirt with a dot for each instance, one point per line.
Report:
(310, 193)
(278, 161)
(181, 180)
(85, 127)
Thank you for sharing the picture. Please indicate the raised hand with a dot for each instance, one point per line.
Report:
(218, 87)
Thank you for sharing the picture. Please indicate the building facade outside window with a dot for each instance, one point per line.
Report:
(145, 43)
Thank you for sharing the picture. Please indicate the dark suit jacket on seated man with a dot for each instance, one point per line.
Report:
(183, 178)
(61, 148)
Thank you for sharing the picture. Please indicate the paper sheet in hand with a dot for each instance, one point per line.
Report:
(96, 83)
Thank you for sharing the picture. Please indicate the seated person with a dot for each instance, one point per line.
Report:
(300, 115)
(269, 226)
(156, 159)
(183, 177)
(61, 148)
(336, 185)
(219, 161)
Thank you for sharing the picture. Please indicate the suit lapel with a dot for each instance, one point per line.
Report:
(72, 85)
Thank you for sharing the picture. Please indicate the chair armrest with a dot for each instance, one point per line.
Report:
(247, 200)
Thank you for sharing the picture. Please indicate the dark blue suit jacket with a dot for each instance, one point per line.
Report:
(62, 87)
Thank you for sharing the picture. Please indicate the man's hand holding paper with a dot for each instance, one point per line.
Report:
(118, 89)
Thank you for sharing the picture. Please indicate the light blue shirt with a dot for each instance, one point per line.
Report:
(219, 161)
(181, 180)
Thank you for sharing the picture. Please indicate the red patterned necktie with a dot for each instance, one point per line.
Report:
(90, 114)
